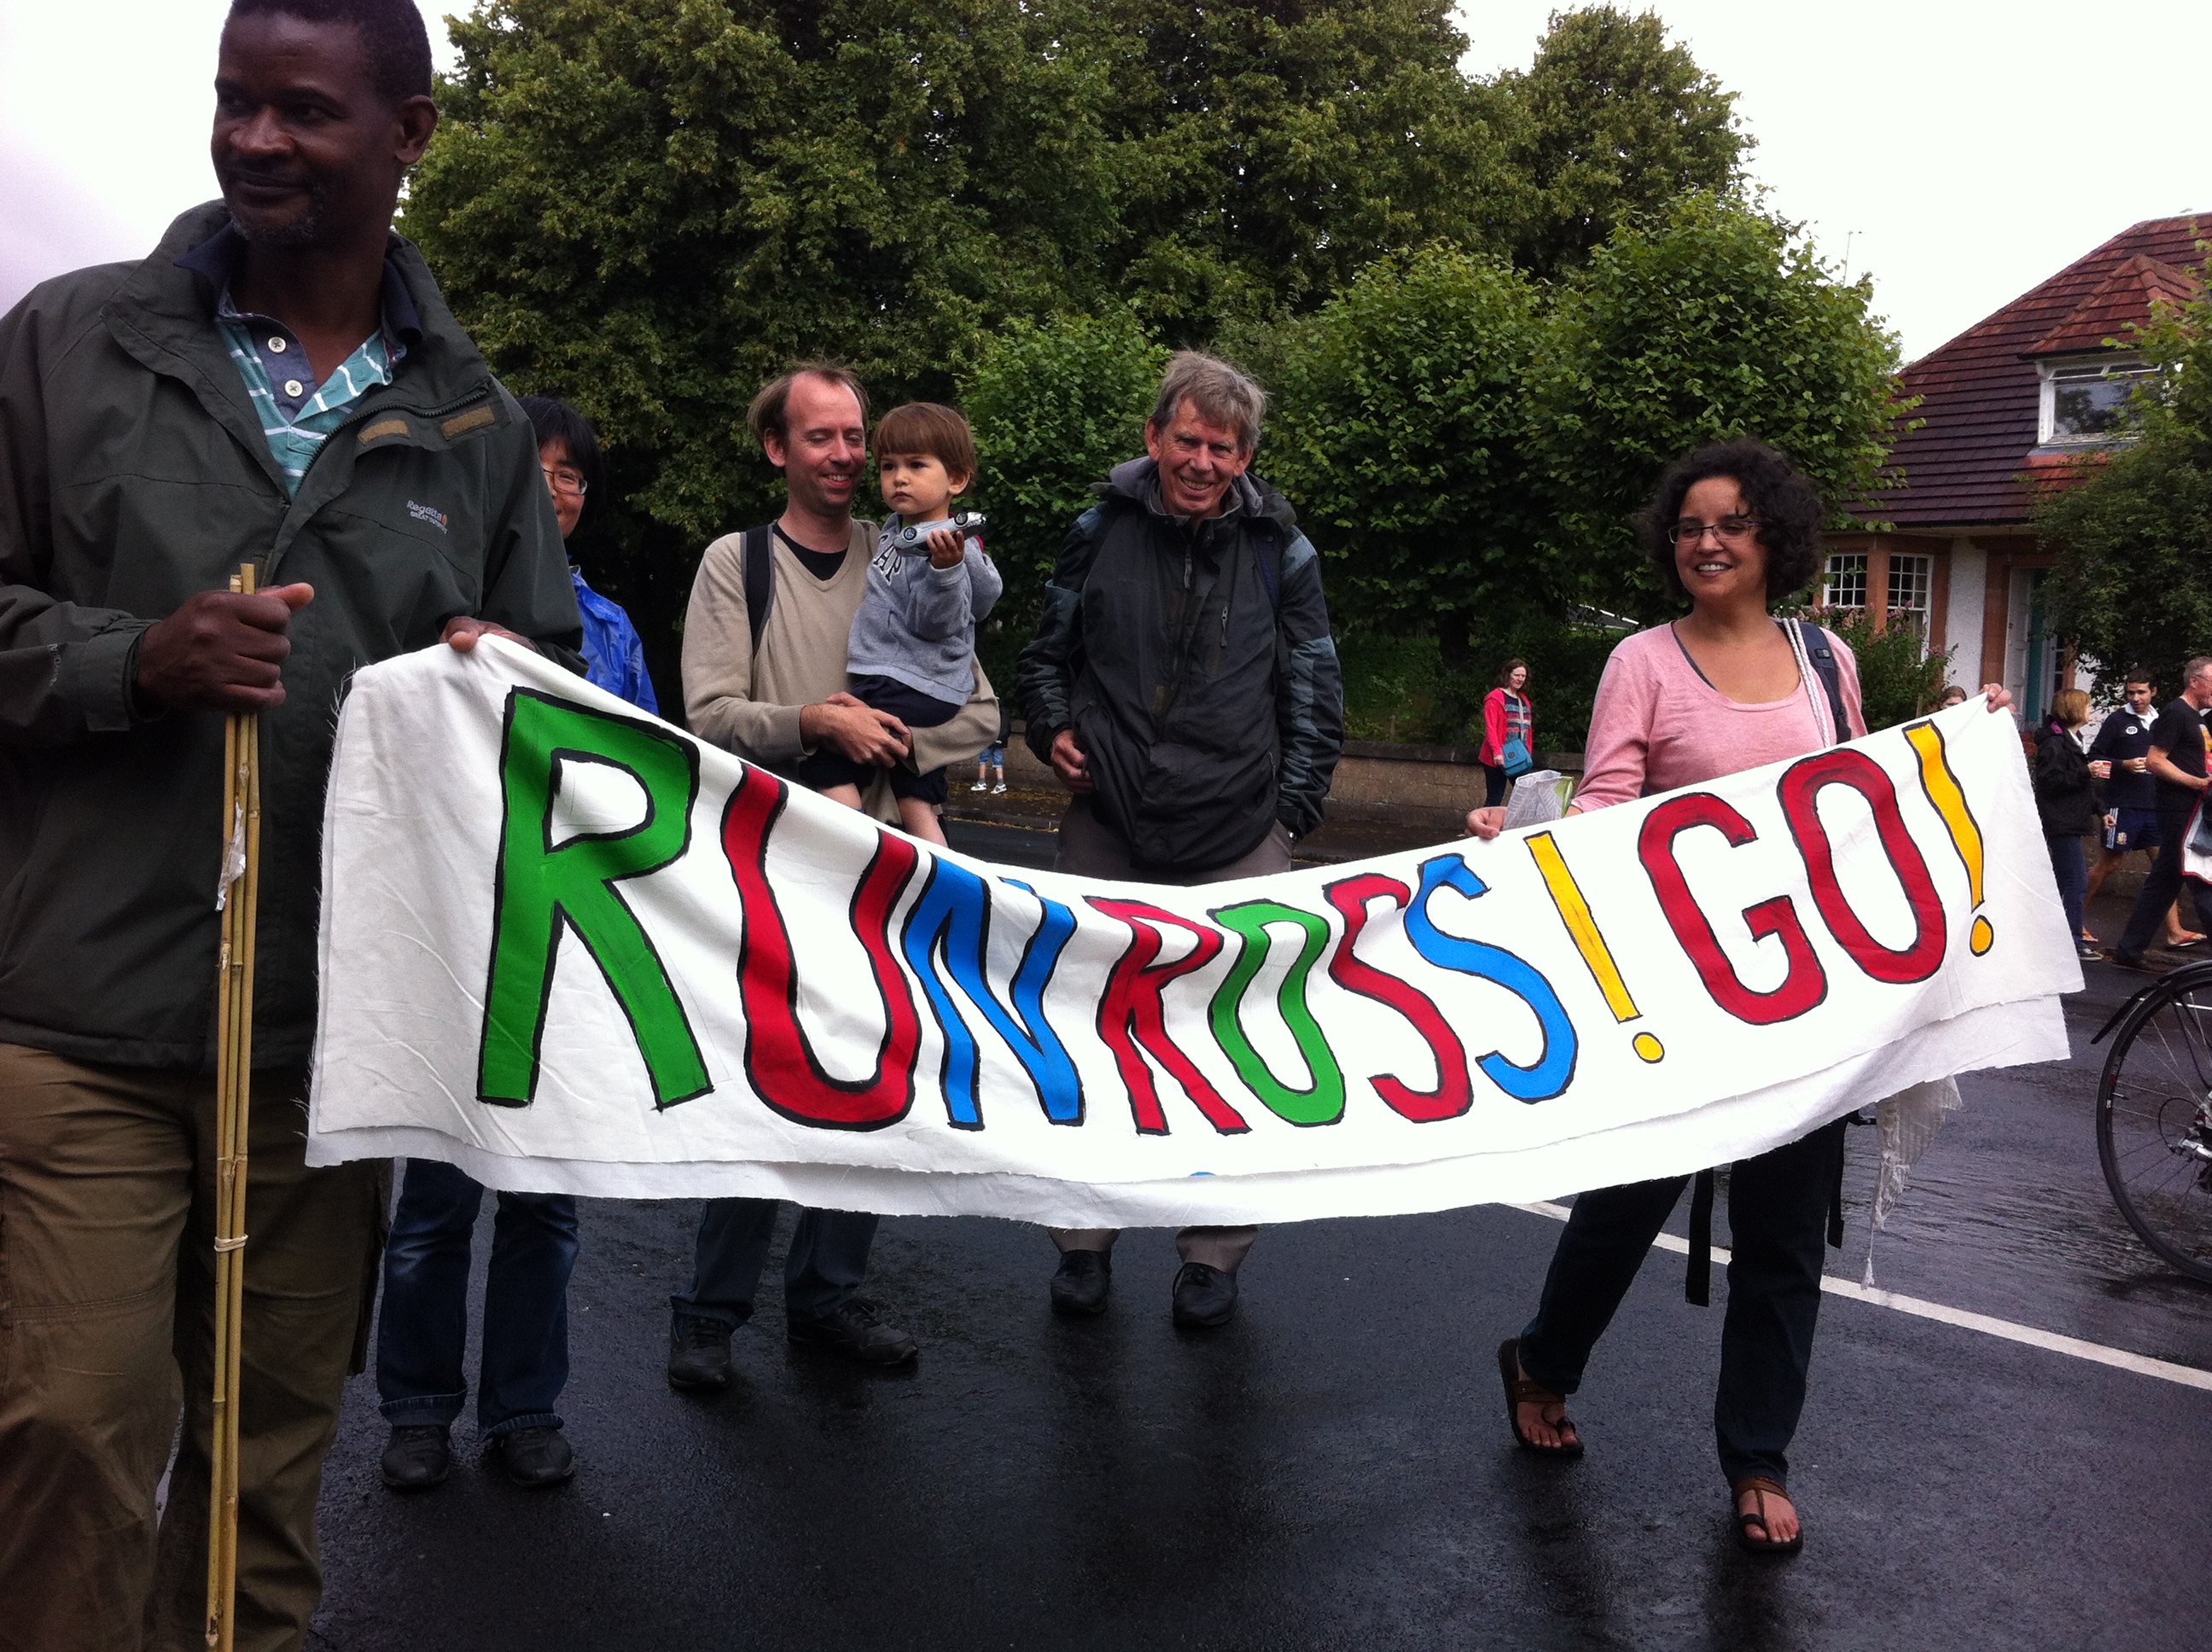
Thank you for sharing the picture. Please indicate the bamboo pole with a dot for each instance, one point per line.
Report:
(240, 899)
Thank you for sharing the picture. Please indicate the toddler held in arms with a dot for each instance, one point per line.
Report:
(913, 648)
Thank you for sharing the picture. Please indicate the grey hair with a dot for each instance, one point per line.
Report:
(1220, 392)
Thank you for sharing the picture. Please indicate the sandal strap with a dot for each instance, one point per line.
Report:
(1527, 1391)
(1760, 1483)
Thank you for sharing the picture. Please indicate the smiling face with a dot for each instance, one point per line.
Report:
(566, 483)
(306, 150)
(918, 486)
(1198, 461)
(1518, 679)
(2140, 695)
(1720, 567)
(824, 446)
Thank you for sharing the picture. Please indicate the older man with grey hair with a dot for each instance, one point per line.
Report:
(1197, 725)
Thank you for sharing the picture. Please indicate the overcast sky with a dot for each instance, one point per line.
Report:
(1974, 146)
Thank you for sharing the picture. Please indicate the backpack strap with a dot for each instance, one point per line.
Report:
(1819, 648)
(1269, 553)
(758, 549)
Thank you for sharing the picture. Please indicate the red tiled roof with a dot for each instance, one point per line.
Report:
(1979, 393)
(2121, 298)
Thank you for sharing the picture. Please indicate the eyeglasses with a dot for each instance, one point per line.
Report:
(1733, 529)
(565, 481)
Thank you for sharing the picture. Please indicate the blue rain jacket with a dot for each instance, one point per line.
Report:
(614, 657)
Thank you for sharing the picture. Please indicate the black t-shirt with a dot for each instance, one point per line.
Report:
(822, 564)
(2179, 733)
(2126, 733)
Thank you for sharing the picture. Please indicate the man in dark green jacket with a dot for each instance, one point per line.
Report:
(279, 383)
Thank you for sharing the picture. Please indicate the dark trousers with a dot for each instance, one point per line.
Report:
(1493, 786)
(2161, 884)
(1777, 1220)
(827, 1260)
(424, 1323)
(2073, 878)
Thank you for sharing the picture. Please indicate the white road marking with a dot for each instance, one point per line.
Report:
(2188, 1375)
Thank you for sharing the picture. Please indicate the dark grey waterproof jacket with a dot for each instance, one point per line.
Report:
(1193, 660)
(133, 474)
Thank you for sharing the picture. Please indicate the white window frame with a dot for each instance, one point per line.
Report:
(2074, 368)
(1865, 571)
(1923, 616)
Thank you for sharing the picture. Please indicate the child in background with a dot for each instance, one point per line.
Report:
(992, 762)
(913, 648)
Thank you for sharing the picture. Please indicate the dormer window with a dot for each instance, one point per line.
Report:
(2087, 401)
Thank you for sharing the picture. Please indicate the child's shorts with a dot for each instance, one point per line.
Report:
(830, 767)
(992, 757)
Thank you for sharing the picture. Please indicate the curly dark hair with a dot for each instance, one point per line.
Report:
(1788, 510)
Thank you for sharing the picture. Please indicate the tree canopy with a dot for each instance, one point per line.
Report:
(2132, 524)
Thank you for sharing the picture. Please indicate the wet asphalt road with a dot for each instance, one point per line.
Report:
(1333, 1470)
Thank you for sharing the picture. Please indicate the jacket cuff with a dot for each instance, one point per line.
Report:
(102, 678)
(781, 740)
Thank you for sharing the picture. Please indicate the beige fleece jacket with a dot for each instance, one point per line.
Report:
(751, 704)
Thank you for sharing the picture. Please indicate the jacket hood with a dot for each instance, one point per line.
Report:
(1139, 480)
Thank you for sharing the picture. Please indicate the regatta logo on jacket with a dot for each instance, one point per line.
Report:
(425, 514)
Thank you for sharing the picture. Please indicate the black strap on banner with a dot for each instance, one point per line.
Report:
(1835, 1198)
(1697, 1286)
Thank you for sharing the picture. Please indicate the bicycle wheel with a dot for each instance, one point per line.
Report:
(2154, 1122)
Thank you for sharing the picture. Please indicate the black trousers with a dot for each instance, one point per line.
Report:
(2161, 884)
(1777, 1221)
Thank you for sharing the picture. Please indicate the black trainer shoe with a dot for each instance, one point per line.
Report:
(534, 1456)
(853, 1329)
(1081, 1284)
(698, 1353)
(1204, 1295)
(417, 1457)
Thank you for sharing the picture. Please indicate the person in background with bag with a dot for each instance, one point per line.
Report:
(2065, 799)
(1735, 527)
(1509, 732)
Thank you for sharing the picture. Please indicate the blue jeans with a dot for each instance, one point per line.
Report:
(827, 1260)
(2072, 879)
(424, 1322)
(1777, 1224)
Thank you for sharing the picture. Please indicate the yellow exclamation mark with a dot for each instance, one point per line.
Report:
(1943, 791)
(1574, 911)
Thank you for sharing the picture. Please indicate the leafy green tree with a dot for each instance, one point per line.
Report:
(1054, 406)
(2132, 524)
(1403, 436)
(1714, 320)
(1612, 121)
(1268, 149)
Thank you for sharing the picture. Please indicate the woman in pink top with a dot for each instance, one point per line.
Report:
(1507, 714)
(1733, 527)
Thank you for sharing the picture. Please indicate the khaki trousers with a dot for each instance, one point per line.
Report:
(1090, 848)
(106, 1323)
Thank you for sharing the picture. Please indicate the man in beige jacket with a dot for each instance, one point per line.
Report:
(771, 688)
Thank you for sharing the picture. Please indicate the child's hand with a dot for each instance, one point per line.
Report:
(945, 550)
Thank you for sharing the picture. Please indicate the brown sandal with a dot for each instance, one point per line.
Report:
(1525, 1391)
(1761, 1488)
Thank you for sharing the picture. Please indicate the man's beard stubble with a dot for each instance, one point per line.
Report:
(305, 230)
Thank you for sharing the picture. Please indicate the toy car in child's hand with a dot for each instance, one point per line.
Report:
(912, 540)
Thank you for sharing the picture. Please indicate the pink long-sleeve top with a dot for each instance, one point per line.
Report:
(1658, 725)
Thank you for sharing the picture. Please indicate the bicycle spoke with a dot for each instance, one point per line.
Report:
(2155, 1109)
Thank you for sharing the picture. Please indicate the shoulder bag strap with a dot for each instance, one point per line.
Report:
(758, 551)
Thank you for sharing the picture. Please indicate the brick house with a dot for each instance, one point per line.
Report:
(2027, 388)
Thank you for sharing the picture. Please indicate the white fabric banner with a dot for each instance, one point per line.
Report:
(568, 947)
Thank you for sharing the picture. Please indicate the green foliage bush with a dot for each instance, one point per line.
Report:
(1898, 679)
